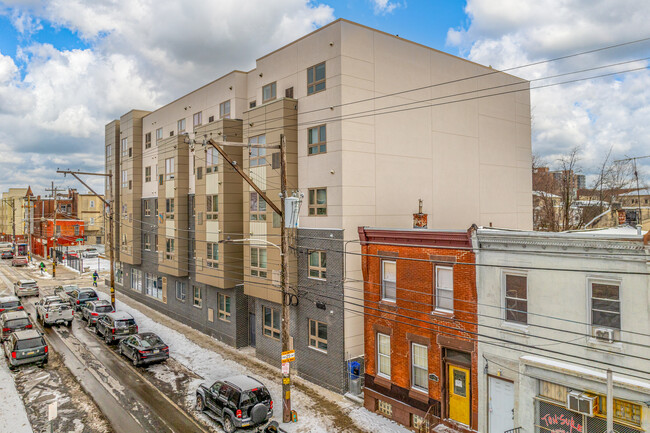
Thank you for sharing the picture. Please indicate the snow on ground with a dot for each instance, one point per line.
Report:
(13, 417)
(211, 366)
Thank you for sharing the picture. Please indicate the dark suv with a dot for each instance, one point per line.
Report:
(25, 347)
(12, 322)
(78, 298)
(236, 402)
(115, 326)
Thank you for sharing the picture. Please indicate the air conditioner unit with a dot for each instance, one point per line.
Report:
(582, 403)
(604, 334)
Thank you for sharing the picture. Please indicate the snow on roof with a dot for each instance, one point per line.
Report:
(644, 191)
(625, 232)
(565, 367)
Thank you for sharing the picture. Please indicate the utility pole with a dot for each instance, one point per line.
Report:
(638, 192)
(55, 194)
(111, 211)
(610, 401)
(284, 252)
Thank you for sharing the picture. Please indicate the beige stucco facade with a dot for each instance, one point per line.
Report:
(461, 142)
(13, 198)
(90, 209)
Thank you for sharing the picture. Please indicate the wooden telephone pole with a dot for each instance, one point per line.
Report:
(284, 252)
(55, 194)
(111, 253)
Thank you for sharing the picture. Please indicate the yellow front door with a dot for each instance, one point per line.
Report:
(459, 394)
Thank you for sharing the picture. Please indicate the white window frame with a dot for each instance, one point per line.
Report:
(381, 355)
(607, 281)
(415, 367)
(125, 179)
(169, 168)
(320, 271)
(181, 124)
(314, 339)
(197, 301)
(257, 270)
(438, 289)
(159, 134)
(504, 297)
(212, 207)
(181, 288)
(224, 313)
(212, 259)
(223, 113)
(125, 147)
(197, 119)
(384, 297)
(211, 160)
(270, 330)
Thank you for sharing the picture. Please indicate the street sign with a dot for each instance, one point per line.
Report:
(289, 356)
(285, 368)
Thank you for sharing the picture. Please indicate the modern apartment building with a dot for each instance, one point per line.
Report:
(372, 124)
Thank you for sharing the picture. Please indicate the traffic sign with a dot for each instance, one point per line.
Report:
(289, 356)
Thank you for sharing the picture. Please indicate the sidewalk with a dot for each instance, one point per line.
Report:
(13, 418)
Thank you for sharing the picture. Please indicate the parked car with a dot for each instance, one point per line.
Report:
(13, 321)
(10, 303)
(90, 253)
(53, 310)
(26, 288)
(25, 347)
(19, 261)
(79, 297)
(115, 326)
(70, 254)
(6, 245)
(7, 254)
(144, 348)
(93, 309)
(65, 290)
(238, 401)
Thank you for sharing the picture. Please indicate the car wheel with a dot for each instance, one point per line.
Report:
(228, 425)
(200, 406)
(68, 323)
(136, 360)
(107, 339)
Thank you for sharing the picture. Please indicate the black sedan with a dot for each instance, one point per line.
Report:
(7, 255)
(144, 348)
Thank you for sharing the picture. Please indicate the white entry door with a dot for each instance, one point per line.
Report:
(502, 405)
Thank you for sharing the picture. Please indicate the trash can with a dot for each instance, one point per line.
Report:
(355, 369)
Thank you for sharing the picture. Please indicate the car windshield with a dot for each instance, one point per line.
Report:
(71, 287)
(104, 309)
(10, 304)
(29, 284)
(30, 343)
(254, 396)
(124, 323)
(150, 341)
(17, 323)
(87, 295)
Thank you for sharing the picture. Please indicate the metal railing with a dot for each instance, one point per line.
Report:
(431, 420)
(513, 430)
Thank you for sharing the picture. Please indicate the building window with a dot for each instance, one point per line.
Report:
(76, 230)
(153, 286)
(211, 160)
(91, 204)
(169, 249)
(109, 151)
(444, 288)
(258, 262)
(136, 279)
(155, 243)
(147, 241)
(224, 307)
(224, 110)
(268, 92)
(119, 272)
(257, 208)
(125, 179)
(212, 207)
(605, 305)
(169, 208)
(317, 264)
(147, 174)
(516, 299)
(213, 255)
(383, 355)
(318, 335)
(417, 422)
(385, 408)
(252, 104)
(419, 367)
(159, 134)
(318, 201)
(197, 119)
(316, 138)
(181, 125)
(147, 140)
(271, 322)
(197, 299)
(623, 410)
(257, 155)
(169, 168)
(147, 208)
(389, 280)
(125, 147)
(316, 78)
(92, 221)
(180, 291)
(288, 92)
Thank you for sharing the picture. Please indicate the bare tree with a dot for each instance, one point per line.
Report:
(567, 186)
(545, 214)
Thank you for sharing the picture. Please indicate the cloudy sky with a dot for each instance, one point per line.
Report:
(67, 67)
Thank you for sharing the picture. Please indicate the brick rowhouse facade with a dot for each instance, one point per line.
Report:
(414, 319)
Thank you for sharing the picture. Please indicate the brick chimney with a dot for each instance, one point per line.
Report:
(420, 219)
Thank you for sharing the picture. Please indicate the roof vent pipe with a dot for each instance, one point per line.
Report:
(638, 229)
(420, 219)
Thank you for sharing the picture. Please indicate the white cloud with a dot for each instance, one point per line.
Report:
(594, 114)
(382, 7)
(143, 53)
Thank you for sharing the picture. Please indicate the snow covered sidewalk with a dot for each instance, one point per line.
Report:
(13, 417)
(319, 410)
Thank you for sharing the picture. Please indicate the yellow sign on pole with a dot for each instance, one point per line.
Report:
(289, 356)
